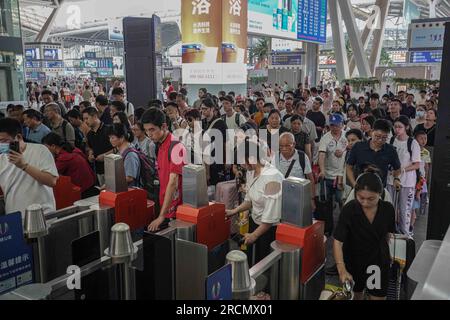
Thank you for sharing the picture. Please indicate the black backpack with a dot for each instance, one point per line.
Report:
(237, 118)
(302, 159)
(148, 176)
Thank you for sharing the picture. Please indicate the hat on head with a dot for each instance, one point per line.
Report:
(336, 119)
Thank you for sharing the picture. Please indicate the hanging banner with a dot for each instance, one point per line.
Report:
(214, 41)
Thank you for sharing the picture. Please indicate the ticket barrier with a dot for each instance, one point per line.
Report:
(170, 264)
(157, 267)
(295, 267)
(65, 192)
(53, 248)
(430, 269)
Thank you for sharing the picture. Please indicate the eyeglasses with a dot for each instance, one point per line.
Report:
(380, 137)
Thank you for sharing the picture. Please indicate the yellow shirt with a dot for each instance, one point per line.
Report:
(258, 117)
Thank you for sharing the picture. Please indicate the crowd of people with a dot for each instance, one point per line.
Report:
(371, 156)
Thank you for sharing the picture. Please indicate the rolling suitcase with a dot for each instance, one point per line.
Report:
(324, 208)
(227, 193)
(403, 252)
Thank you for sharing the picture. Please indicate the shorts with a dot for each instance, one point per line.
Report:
(360, 278)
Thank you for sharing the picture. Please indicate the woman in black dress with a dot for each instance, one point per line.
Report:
(361, 239)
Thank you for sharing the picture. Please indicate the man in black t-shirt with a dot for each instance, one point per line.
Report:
(97, 142)
(215, 168)
(316, 116)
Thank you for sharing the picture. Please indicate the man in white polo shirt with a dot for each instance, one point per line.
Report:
(294, 163)
(28, 176)
(332, 148)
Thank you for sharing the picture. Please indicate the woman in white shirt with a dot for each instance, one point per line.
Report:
(177, 122)
(263, 197)
(408, 150)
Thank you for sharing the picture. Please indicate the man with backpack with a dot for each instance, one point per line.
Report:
(119, 95)
(233, 119)
(294, 163)
(212, 125)
(170, 158)
(58, 124)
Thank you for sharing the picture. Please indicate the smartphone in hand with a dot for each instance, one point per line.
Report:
(14, 146)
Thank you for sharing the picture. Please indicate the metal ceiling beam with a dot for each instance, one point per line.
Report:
(354, 36)
(46, 28)
(79, 31)
(39, 3)
(76, 40)
(378, 36)
(338, 40)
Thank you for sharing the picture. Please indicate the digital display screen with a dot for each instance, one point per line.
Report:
(32, 54)
(289, 19)
(51, 54)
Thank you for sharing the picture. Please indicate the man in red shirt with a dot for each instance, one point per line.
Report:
(169, 165)
(169, 88)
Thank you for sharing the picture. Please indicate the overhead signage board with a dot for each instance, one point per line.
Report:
(426, 34)
(425, 57)
(51, 54)
(32, 54)
(304, 20)
(286, 59)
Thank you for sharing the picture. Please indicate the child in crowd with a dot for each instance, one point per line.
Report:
(353, 136)
(421, 196)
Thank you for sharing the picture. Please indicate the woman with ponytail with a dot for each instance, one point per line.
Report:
(73, 163)
(408, 151)
(120, 138)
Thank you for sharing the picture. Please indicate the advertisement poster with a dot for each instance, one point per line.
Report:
(277, 18)
(289, 19)
(16, 259)
(118, 66)
(218, 284)
(426, 34)
(214, 41)
(115, 30)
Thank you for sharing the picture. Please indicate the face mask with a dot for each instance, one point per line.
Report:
(420, 114)
(266, 114)
(4, 148)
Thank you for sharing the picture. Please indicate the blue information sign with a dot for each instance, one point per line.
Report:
(287, 59)
(218, 284)
(425, 57)
(16, 258)
(32, 54)
(90, 55)
(51, 54)
(33, 64)
(312, 20)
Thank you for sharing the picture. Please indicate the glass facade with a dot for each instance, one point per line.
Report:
(9, 18)
(12, 80)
